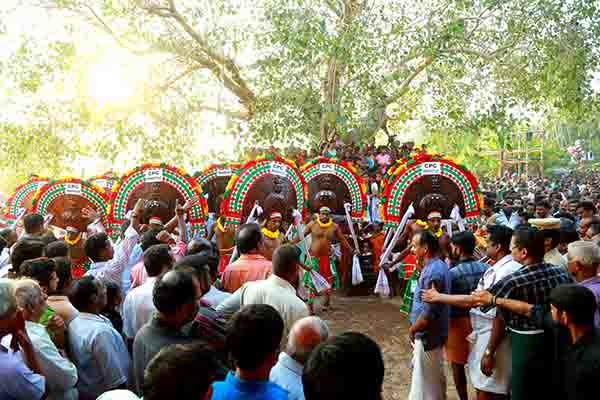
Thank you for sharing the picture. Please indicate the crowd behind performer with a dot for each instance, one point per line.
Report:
(184, 347)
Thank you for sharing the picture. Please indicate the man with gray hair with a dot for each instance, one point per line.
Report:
(22, 377)
(584, 260)
(61, 374)
(306, 334)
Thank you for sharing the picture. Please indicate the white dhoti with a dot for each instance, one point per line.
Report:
(428, 374)
(499, 381)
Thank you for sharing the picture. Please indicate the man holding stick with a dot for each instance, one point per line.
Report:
(323, 232)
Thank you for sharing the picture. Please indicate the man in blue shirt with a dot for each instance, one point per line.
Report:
(253, 338)
(429, 322)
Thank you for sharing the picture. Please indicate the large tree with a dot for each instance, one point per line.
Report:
(312, 70)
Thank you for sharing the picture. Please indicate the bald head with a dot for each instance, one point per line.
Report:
(306, 334)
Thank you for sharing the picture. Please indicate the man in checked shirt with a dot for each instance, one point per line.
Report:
(531, 347)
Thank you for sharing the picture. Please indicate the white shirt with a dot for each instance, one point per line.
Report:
(138, 308)
(287, 373)
(501, 269)
(214, 297)
(99, 353)
(274, 291)
(554, 257)
(112, 270)
(61, 374)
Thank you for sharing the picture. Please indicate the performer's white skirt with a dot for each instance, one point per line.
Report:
(499, 381)
(428, 375)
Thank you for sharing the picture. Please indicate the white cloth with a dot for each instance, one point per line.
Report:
(17, 382)
(61, 374)
(511, 222)
(554, 257)
(138, 308)
(4, 257)
(214, 297)
(428, 375)
(499, 382)
(118, 395)
(274, 291)
(112, 270)
(481, 324)
(99, 353)
(287, 373)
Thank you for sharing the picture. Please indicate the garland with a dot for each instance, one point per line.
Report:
(270, 234)
(239, 186)
(347, 173)
(325, 225)
(184, 184)
(425, 225)
(74, 241)
(220, 225)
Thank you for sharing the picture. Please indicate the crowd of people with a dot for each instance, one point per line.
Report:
(153, 317)
(513, 305)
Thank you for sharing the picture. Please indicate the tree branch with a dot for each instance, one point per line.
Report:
(223, 67)
(406, 84)
(104, 25)
(185, 73)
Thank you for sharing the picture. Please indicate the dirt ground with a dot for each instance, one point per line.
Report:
(382, 321)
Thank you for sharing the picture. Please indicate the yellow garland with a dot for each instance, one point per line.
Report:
(326, 224)
(220, 225)
(270, 234)
(74, 241)
(425, 225)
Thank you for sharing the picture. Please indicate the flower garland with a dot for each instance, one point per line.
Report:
(74, 241)
(220, 224)
(270, 234)
(325, 225)
(425, 225)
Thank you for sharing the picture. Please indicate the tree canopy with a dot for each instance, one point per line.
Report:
(293, 71)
